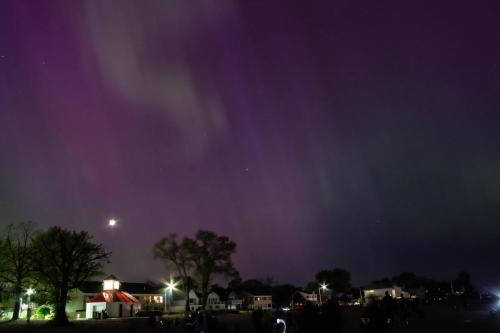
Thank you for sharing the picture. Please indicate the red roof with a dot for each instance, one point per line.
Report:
(113, 296)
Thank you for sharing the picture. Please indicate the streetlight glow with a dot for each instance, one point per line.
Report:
(29, 292)
(112, 222)
(323, 287)
(170, 286)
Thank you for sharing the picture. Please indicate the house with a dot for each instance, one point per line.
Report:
(301, 298)
(77, 298)
(234, 301)
(178, 301)
(258, 302)
(115, 302)
(214, 302)
(378, 291)
(150, 296)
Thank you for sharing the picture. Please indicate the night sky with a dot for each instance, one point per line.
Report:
(359, 134)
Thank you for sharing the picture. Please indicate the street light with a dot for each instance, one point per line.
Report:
(29, 292)
(323, 287)
(170, 287)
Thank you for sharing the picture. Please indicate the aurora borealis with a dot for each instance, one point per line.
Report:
(358, 134)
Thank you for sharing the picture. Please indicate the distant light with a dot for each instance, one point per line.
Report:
(112, 222)
(30, 291)
(324, 286)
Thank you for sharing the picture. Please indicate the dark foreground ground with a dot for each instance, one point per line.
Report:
(436, 319)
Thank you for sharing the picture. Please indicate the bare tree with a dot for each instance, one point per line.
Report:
(16, 266)
(176, 255)
(211, 255)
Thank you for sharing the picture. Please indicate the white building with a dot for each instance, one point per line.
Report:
(378, 291)
(214, 302)
(114, 302)
(258, 302)
(234, 301)
(178, 303)
(301, 298)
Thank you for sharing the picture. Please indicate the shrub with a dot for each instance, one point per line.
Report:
(43, 311)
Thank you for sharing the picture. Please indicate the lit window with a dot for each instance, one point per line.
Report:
(111, 285)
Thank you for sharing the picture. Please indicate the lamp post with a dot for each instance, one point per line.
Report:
(323, 287)
(170, 287)
(29, 292)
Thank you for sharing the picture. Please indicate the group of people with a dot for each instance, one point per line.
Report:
(196, 322)
(310, 318)
(378, 315)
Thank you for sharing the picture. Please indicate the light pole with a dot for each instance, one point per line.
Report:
(170, 287)
(29, 292)
(323, 287)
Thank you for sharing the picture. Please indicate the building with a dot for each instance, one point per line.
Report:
(378, 291)
(113, 301)
(214, 302)
(150, 296)
(257, 302)
(234, 301)
(178, 301)
(301, 298)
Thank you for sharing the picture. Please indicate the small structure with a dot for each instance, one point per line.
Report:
(111, 302)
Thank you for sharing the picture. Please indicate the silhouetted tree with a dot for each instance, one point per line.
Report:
(282, 294)
(407, 280)
(16, 260)
(219, 290)
(382, 280)
(177, 255)
(255, 286)
(338, 279)
(211, 255)
(64, 260)
(463, 283)
(235, 284)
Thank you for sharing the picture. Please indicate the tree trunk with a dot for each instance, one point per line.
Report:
(60, 317)
(204, 293)
(186, 307)
(17, 306)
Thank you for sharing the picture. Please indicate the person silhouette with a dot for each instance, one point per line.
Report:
(388, 306)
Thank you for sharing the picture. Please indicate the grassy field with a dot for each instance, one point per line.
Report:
(437, 319)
